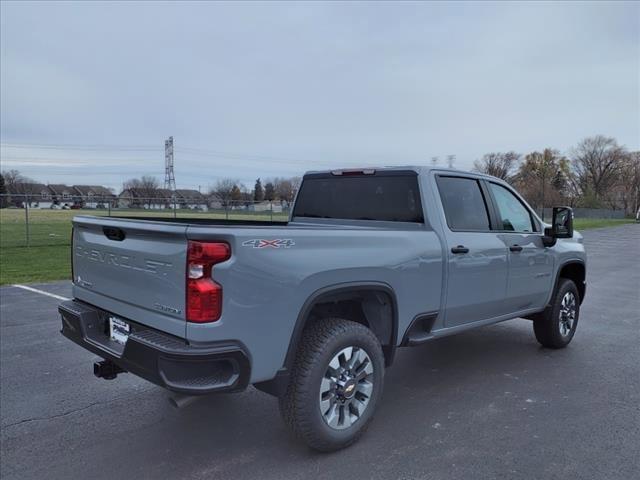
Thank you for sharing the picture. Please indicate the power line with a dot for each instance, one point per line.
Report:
(300, 163)
(38, 160)
(142, 148)
(237, 156)
(83, 174)
(43, 146)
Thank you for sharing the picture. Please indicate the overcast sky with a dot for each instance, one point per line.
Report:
(274, 89)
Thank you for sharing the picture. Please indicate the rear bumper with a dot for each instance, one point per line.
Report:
(160, 358)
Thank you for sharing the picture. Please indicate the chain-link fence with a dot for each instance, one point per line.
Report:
(589, 213)
(40, 220)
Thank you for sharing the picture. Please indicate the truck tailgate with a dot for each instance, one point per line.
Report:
(126, 266)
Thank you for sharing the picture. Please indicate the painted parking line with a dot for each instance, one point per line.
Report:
(41, 292)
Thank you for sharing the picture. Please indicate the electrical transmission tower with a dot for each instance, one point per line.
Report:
(169, 175)
(450, 160)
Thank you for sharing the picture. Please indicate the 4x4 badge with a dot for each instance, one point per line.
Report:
(263, 243)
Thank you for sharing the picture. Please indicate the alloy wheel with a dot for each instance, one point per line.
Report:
(567, 313)
(346, 388)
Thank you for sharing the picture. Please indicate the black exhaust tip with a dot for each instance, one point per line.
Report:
(106, 369)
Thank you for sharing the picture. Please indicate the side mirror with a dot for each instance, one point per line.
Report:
(562, 222)
(561, 226)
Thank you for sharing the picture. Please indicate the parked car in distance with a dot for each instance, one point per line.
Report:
(313, 310)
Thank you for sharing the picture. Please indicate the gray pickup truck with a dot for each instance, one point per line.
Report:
(313, 310)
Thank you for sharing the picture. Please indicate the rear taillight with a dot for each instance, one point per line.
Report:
(204, 296)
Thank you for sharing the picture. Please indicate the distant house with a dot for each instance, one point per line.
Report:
(39, 195)
(94, 196)
(214, 202)
(46, 199)
(36, 195)
(191, 199)
(162, 198)
(136, 198)
(63, 195)
(127, 198)
(266, 206)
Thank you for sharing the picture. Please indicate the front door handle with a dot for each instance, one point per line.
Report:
(460, 249)
(515, 248)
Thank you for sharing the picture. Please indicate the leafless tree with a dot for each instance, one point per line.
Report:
(285, 189)
(597, 163)
(224, 189)
(17, 183)
(14, 177)
(498, 164)
(295, 183)
(626, 193)
(543, 178)
(146, 187)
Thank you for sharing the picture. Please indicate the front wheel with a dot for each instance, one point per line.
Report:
(556, 326)
(335, 384)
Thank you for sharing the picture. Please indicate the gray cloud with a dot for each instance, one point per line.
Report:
(313, 84)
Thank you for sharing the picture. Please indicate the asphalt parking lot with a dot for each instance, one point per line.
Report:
(489, 403)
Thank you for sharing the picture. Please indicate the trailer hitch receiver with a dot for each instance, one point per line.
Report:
(107, 369)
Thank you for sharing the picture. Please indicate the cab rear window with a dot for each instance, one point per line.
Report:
(388, 196)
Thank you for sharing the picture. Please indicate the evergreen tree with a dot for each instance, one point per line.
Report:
(269, 192)
(258, 191)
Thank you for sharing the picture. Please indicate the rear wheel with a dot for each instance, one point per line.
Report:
(335, 384)
(556, 326)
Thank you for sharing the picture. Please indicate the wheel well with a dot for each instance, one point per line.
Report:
(576, 272)
(373, 308)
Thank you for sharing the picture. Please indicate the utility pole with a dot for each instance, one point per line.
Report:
(434, 161)
(169, 175)
(544, 179)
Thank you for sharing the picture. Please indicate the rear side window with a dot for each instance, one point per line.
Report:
(392, 198)
(514, 215)
(464, 204)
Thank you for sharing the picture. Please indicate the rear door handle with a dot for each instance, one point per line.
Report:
(515, 248)
(460, 249)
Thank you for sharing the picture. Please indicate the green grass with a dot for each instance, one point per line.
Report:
(47, 257)
(587, 223)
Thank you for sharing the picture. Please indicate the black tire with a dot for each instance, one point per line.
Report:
(300, 405)
(550, 327)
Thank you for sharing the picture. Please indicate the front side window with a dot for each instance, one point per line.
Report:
(514, 215)
(464, 204)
